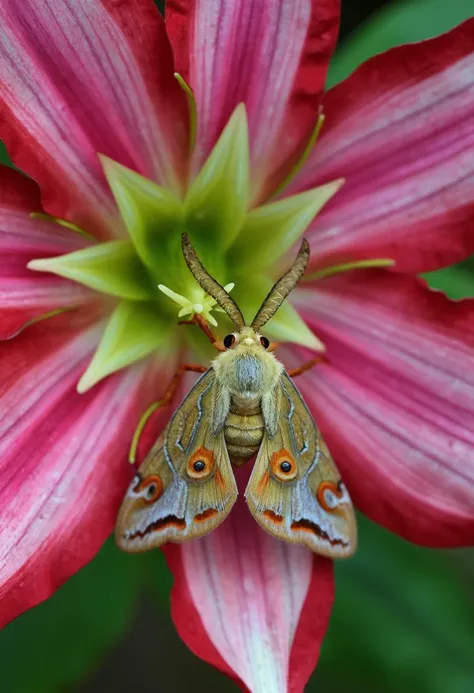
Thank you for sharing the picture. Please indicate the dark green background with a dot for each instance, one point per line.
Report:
(404, 616)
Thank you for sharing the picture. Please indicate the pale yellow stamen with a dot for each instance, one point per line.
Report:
(199, 303)
(192, 109)
(347, 266)
(132, 455)
(61, 222)
(304, 156)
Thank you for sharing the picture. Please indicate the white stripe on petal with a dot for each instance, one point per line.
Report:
(249, 590)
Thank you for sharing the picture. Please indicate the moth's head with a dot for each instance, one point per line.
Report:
(247, 366)
(247, 337)
(246, 341)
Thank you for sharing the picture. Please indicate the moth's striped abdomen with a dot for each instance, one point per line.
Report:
(243, 431)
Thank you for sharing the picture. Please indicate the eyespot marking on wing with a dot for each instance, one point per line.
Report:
(159, 525)
(149, 489)
(201, 464)
(308, 526)
(205, 515)
(273, 517)
(283, 465)
(329, 494)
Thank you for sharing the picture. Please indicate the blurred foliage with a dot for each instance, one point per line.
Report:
(61, 639)
(403, 619)
(4, 159)
(394, 24)
(456, 282)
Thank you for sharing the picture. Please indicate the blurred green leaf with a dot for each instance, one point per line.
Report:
(4, 158)
(403, 621)
(158, 578)
(395, 24)
(456, 281)
(60, 640)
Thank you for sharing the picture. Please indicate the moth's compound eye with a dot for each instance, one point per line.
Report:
(229, 340)
(264, 342)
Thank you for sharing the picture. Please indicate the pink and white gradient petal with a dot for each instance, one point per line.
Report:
(26, 295)
(63, 456)
(252, 606)
(396, 401)
(85, 78)
(400, 130)
(271, 55)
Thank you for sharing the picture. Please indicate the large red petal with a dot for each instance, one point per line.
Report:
(396, 401)
(252, 606)
(24, 294)
(63, 457)
(80, 78)
(400, 130)
(271, 55)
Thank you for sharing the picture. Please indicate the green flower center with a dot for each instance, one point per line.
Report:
(146, 276)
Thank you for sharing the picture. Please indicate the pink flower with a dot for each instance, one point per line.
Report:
(394, 163)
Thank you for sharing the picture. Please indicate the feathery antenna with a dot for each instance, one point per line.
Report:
(209, 284)
(282, 288)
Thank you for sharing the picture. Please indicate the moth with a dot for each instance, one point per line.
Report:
(244, 404)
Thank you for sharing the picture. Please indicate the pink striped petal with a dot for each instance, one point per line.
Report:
(26, 295)
(271, 55)
(252, 606)
(400, 130)
(63, 457)
(396, 402)
(80, 78)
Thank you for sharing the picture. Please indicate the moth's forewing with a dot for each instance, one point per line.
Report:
(185, 486)
(295, 491)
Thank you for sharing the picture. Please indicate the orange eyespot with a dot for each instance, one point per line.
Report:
(283, 465)
(229, 340)
(152, 486)
(201, 464)
(333, 489)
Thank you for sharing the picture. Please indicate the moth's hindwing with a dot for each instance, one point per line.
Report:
(185, 486)
(295, 491)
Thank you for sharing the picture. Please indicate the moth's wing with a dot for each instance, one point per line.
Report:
(169, 499)
(308, 504)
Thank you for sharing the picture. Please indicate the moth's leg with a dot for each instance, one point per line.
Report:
(307, 366)
(202, 324)
(159, 404)
(176, 379)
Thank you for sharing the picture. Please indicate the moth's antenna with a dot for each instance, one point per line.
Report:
(209, 284)
(282, 288)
